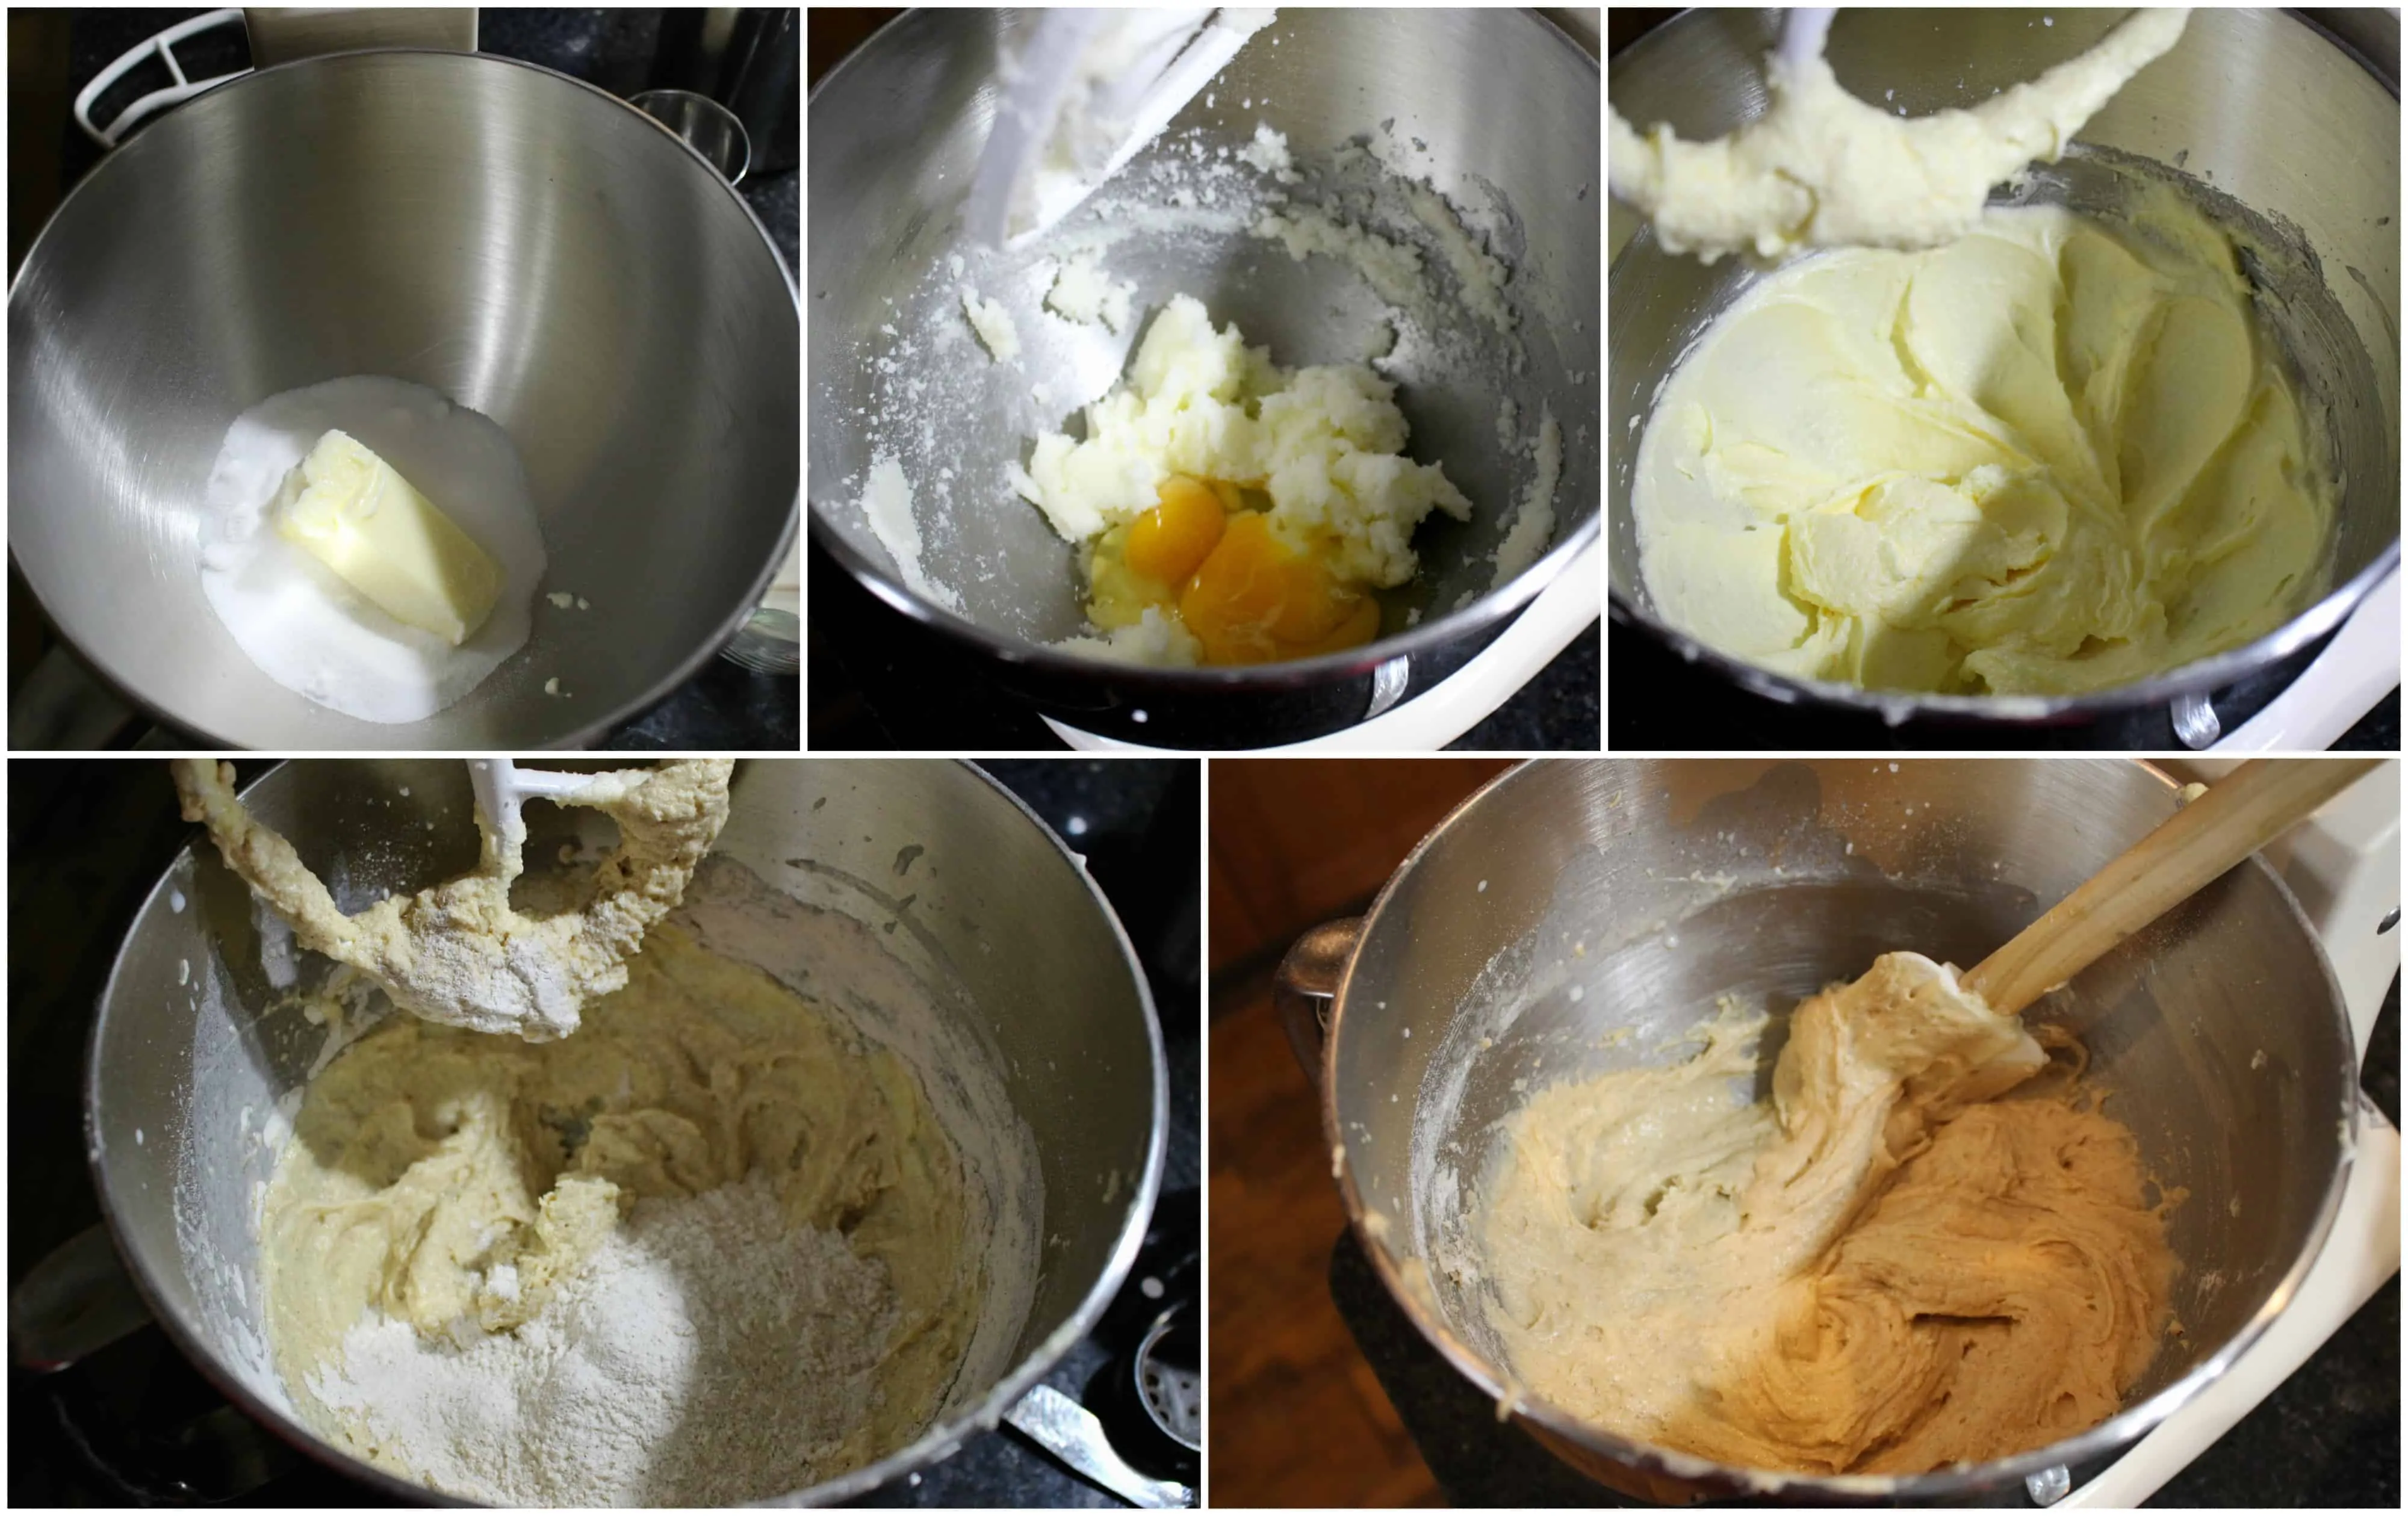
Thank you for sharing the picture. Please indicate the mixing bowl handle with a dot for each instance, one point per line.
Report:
(72, 1304)
(1308, 983)
(703, 124)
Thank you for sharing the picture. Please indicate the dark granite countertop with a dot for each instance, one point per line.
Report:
(2329, 1436)
(87, 838)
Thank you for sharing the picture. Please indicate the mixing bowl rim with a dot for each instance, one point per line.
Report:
(1897, 707)
(1486, 611)
(2125, 1425)
(943, 1436)
(578, 737)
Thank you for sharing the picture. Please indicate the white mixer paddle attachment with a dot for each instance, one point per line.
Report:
(503, 789)
(1087, 91)
(1803, 29)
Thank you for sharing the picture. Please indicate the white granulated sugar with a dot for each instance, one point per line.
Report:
(1083, 292)
(886, 500)
(1391, 269)
(993, 324)
(1269, 153)
(1481, 277)
(1534, 519)
(294, 618)
(706, 1355)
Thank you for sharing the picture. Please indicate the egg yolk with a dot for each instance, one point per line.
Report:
(1207, 553)
(1167, 543)
(1255, 599)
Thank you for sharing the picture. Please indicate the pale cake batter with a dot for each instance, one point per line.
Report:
(458, 952)
(1895, 1265)
(2050, 457)
(469, 1186)
(456, 1181)
(1822, 168)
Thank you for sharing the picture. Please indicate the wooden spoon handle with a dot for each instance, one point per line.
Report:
(2239, 814)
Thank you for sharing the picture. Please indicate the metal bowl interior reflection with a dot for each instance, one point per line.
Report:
(520, 242)
(2314, 182)
(1005, 962)
(1573, 900)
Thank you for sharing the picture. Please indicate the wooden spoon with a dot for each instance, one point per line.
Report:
(2239, 814)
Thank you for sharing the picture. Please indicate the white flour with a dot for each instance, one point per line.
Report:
(707, 1355)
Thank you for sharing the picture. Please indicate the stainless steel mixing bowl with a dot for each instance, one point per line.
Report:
(2275, 125)
(967, 893)
(1653, 887)
(523, 243)
(1504, 107)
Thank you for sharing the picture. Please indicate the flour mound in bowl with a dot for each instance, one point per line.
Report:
(712, 1248)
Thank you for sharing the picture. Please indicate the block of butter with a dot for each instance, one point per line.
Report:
(350, 509)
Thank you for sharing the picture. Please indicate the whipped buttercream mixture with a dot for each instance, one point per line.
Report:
(1930, 1246)
(1822, 168)
(459, 953)
(2053, 455)
(706, 1243)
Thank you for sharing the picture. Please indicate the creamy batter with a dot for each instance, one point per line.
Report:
(454, 1181)
(1822, 168)
(1885, 1268)
(459, 953)
(2052, 456)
